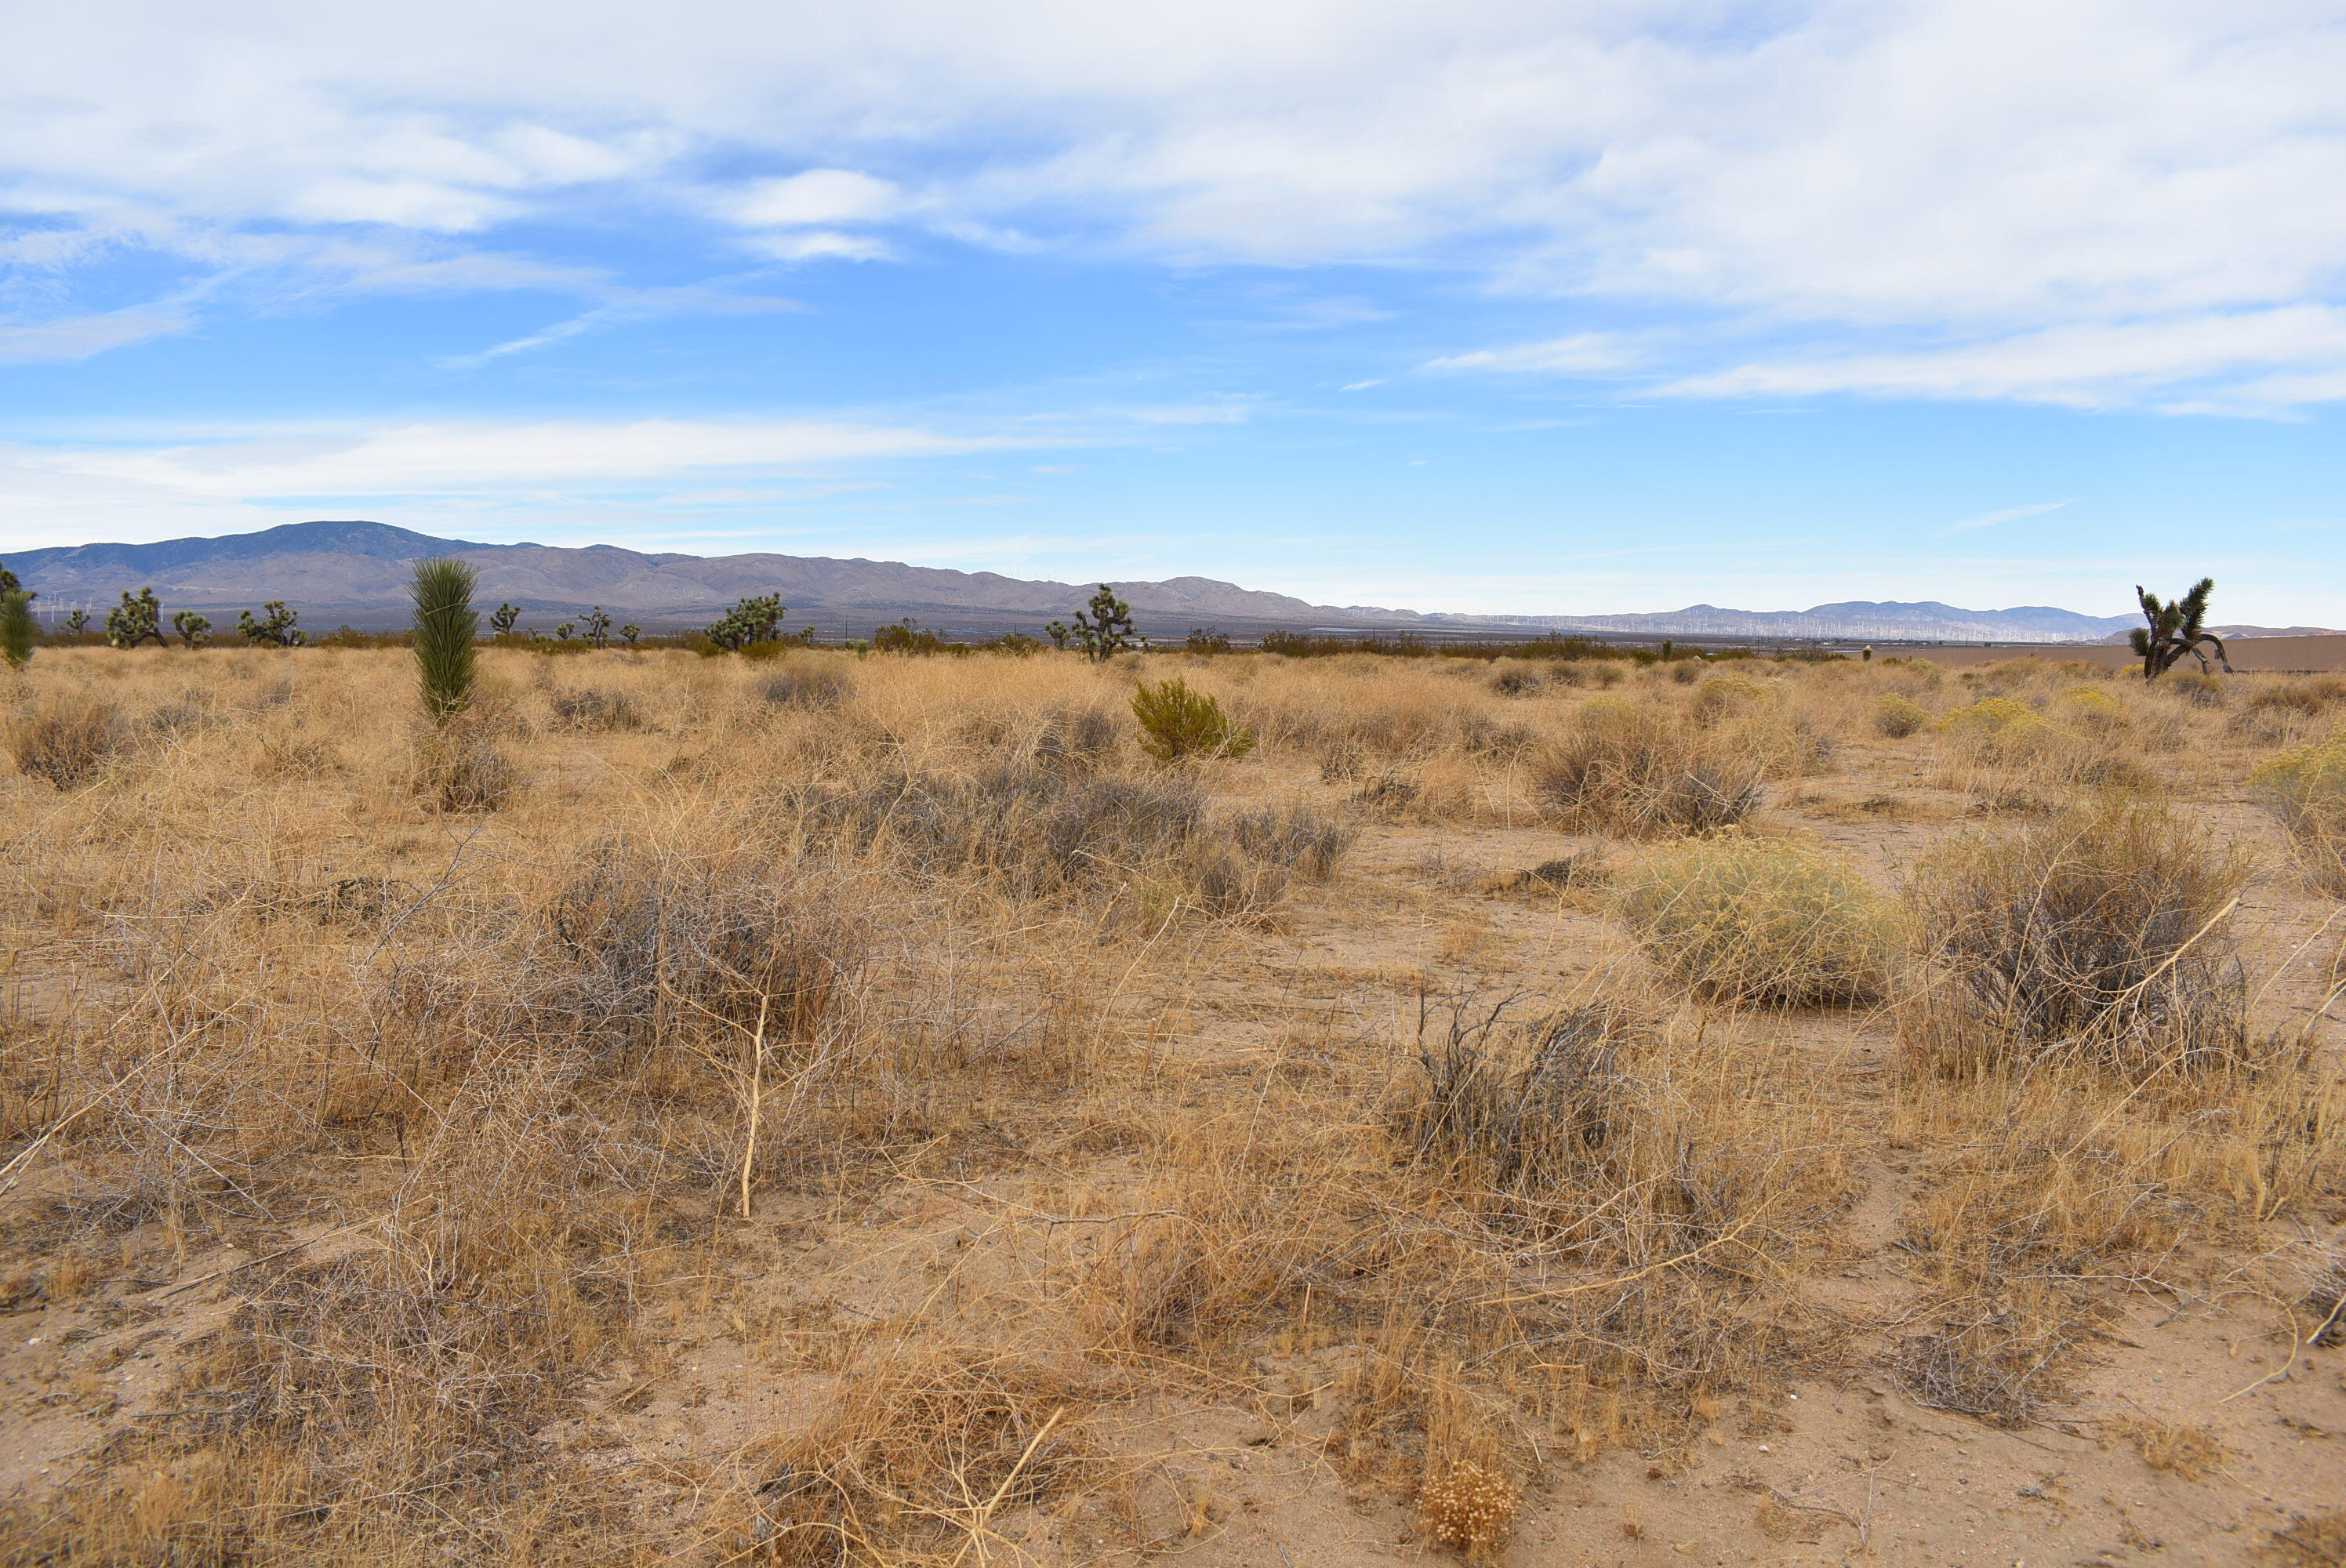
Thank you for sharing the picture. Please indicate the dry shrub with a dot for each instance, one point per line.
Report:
(1031, 831)
(1077, 739)
(1045, 833)
(668, 946)
(392, 1399)
(1532, 1123)
(1897, 718)
(2306, 789)
(1637, 769)
(69, 739)
(1607, 1211)
(1469, 1507)
(1758, 919)
(925, 1452)
(2178, 1447)
(2286, 708)
(2198, 690)
(804, 686)
(2324, 1302)
(460, 770)
(1997, 1366)
(2102, 936)
(595, 710)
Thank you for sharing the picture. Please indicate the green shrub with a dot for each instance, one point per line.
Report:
(1758, 919)
(17, 628)
(445, 627)
(1176, 722)
(1898, 717)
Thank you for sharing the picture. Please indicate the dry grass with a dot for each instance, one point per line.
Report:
(2103, 936)
(1640, 770)
(866, 1111)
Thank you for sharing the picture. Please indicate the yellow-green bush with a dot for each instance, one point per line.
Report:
(1759, 920)
(2306, 789)
(1897, 718)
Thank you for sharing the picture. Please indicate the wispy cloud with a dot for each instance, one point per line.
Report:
(2009, 514)
(79, 337)
(1583, 354)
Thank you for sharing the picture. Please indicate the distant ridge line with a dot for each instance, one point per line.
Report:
(356, 570)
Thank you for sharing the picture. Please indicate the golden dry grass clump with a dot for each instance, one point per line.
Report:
(1763, 920)
(1469, 1507)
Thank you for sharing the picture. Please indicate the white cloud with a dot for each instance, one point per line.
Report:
(2009, 514)
(1972, 171)
(488, 455)
(79, 337)
(2094, 365)
(818, 197)
(1584, 353)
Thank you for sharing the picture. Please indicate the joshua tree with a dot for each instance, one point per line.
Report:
(1107, 628)
(16, 627)
(281, 629)
(2176, 628)
(135, 621)
(194, 630)
(1058, 632)
(750, 621)
(445, 625)
(630, 632)
(566, 631)
(502, 619)
(598, 628)
(76, 620)
(9, 584)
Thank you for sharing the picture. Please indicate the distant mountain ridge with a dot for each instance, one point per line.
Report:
(357, 572)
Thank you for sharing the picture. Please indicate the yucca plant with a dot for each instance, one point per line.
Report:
(445, 625)
(16, 628)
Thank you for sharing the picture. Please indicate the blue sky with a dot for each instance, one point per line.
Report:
(1486, 306)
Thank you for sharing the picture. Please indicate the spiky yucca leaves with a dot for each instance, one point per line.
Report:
(445, 625)
(16, 628)
(2175, 628)
(135, 621)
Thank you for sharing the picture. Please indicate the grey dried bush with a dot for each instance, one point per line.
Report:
(460, 770)
(672, 947)
(912, 1453)
(1528, 1114)
(1030, 832)
(1295, 838)
(804, 686)
(69, 739)
(595, 710)
(1635, 769)
(2101, 937)
(1077, 739)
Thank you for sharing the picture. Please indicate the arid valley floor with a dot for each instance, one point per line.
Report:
(868, 1109)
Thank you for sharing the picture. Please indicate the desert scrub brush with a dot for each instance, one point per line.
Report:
(1759, 920)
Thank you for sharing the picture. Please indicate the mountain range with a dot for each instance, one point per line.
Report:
(356, 573)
